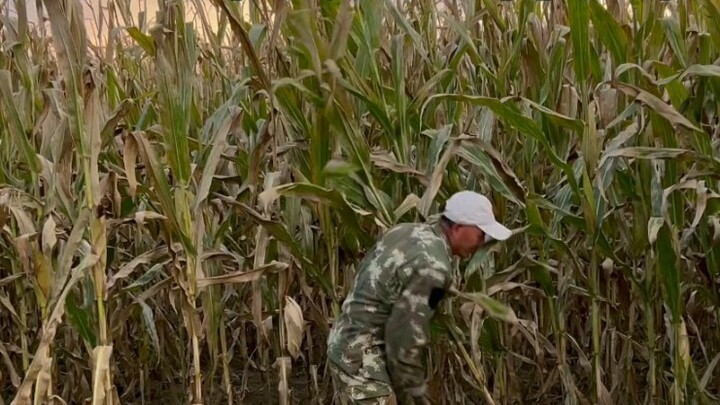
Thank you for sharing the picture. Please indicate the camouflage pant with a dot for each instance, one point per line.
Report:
(357, 390)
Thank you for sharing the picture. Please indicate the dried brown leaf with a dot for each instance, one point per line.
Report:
(436, 180)
(148, 257)
(22, 397)
(43, 380)
(49, 239)
(129, 159)
(14, 377)
(293, 326)
(101, 364)
(241, 276)
(665, 110)
(142, 216)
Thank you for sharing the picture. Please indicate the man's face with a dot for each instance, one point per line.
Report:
(466, 240)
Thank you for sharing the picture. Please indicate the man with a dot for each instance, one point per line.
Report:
(376, 346)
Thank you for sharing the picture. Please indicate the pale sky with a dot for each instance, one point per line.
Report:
(150, 6)
(92, 9)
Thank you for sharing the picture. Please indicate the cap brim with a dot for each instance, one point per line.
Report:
(496, 231)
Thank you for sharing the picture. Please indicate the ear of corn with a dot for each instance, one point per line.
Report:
(183, 202)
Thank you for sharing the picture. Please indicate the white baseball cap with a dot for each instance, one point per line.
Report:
(471, 208)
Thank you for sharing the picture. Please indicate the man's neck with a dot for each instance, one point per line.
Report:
(443, 232)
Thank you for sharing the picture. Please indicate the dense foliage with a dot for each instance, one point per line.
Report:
(182, 206)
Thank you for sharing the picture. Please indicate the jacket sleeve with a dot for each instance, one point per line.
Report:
(407, 330)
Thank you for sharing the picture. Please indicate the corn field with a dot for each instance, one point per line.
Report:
(182, 205)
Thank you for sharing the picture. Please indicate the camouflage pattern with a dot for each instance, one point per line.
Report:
(378, 339)
(357, 390)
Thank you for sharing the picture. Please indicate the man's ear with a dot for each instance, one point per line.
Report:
(450, 232)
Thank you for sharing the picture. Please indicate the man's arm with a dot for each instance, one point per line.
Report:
(407, 330)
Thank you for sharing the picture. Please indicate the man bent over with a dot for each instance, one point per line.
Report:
(375, 347)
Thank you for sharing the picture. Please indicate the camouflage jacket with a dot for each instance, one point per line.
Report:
(385, 319)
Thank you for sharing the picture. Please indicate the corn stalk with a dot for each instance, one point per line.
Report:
(213, 145)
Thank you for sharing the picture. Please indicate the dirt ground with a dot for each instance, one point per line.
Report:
(260, 392)
(249, 387)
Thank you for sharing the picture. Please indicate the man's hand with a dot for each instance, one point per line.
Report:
(417, 391)
(423, 400)
(419, 395)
